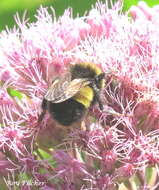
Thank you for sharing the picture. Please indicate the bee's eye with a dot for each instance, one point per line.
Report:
(99, 77)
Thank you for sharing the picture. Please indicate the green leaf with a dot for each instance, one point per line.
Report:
(83, 155)
(96, 164)
(23, 177)
(149, 173)
(14, 93)
(8, 8)
(128, 3)
(46, 156)
(152, 2)
(43, 154)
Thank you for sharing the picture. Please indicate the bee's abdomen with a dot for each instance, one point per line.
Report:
(67, 112)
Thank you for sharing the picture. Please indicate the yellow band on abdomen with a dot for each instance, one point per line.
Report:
(85, 96)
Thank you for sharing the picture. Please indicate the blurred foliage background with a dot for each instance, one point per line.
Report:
(8, 8)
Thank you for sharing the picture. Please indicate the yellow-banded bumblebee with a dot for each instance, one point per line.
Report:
(70, 96)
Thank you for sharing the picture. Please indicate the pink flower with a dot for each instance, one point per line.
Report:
(108, 160)
(118, 142)
(6, 166)
(68, 166)
(125, 171)
(105, 182)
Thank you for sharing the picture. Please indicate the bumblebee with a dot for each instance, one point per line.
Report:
(69, 97)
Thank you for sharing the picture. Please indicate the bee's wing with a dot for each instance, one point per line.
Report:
(62, 89)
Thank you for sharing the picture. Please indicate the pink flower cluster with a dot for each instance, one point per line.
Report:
(121, 144)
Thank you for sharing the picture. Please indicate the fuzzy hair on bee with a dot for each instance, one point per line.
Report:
(69, 97)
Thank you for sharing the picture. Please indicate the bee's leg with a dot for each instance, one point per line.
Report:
(83, 126)
(41, 116)
(99, 101)
(97, 96)
(44, 107)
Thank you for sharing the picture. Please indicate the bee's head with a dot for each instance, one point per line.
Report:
(99, 80)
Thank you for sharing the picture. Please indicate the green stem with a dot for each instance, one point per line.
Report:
(141, 177)
(128, 185)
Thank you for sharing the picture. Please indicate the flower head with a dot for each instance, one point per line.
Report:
(119, 142)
